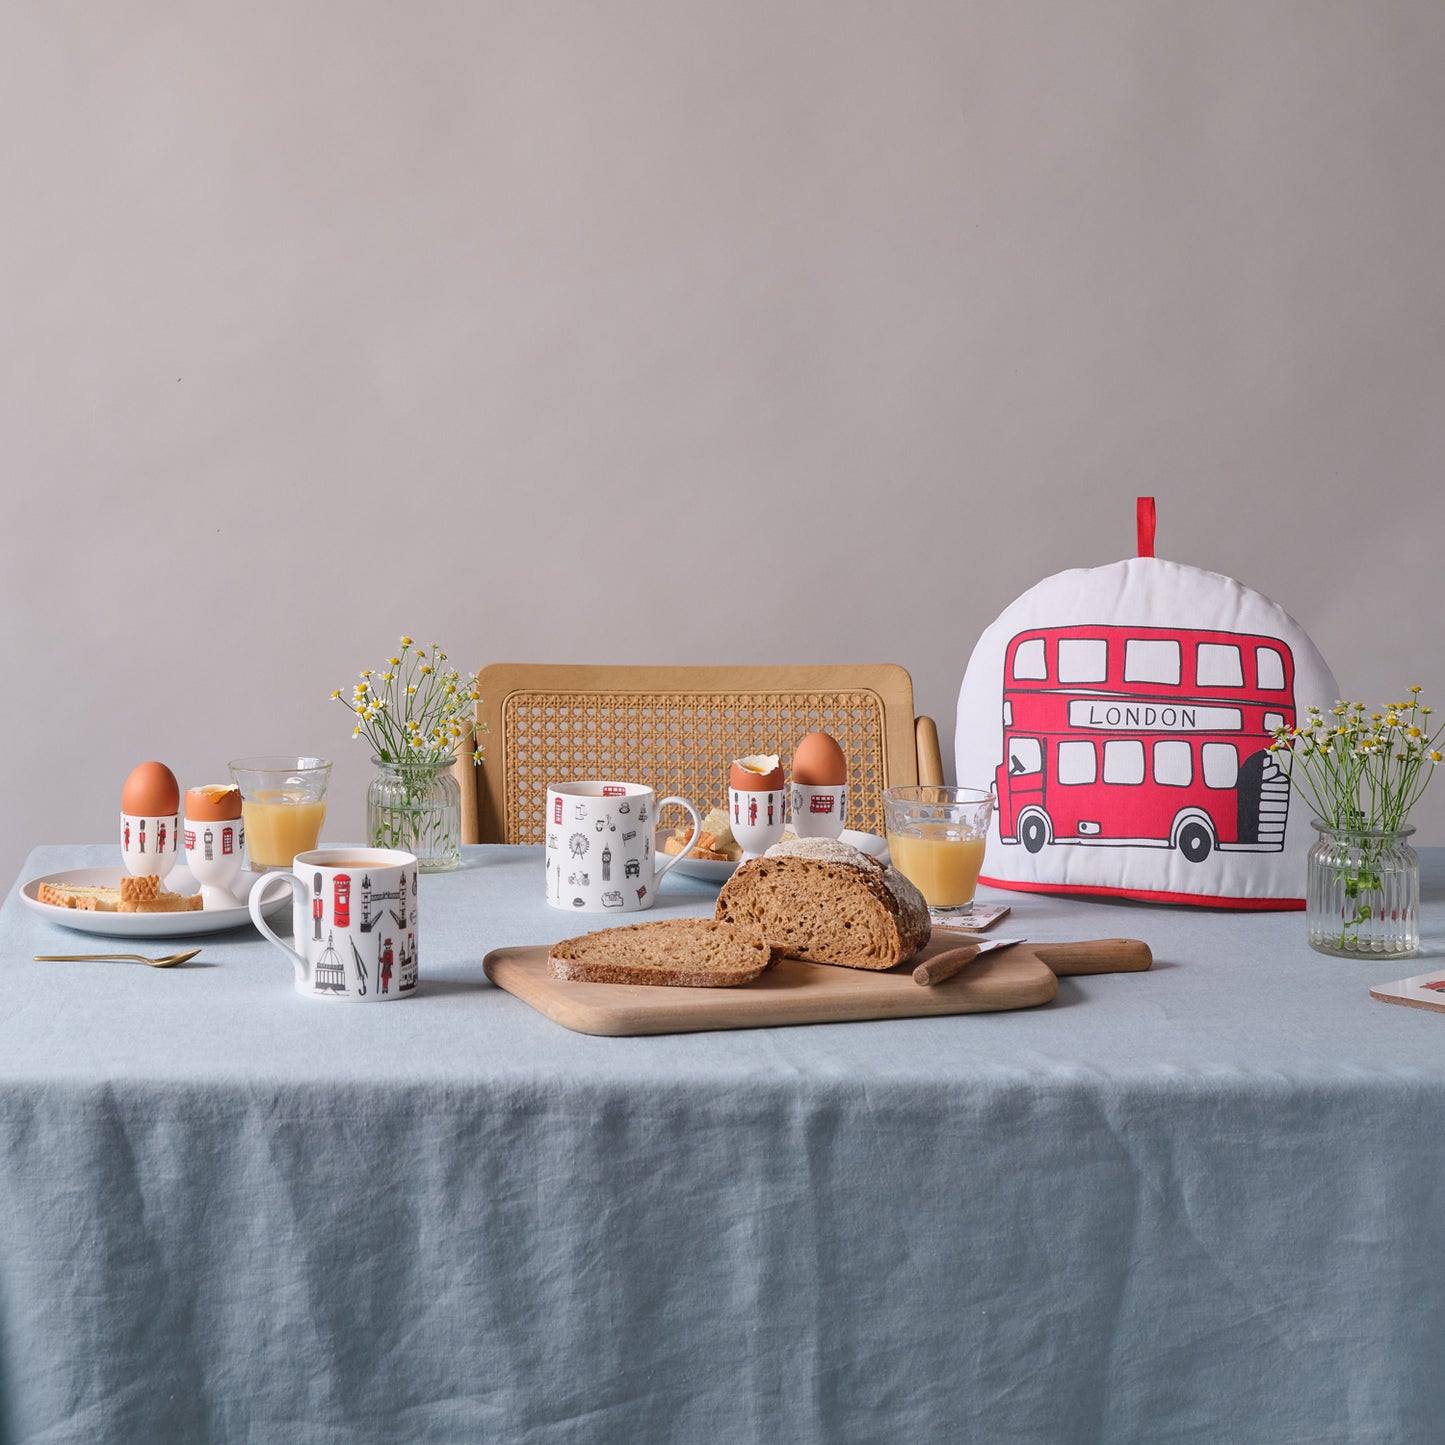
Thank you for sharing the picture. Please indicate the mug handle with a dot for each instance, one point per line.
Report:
(258, 918)
(659, 873)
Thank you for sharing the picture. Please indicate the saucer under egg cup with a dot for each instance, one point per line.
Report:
(149, 844)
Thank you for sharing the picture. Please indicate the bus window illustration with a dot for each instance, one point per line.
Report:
(1144, 737)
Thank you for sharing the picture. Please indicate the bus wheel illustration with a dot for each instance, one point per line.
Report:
(1034, 830)
(1195, 841)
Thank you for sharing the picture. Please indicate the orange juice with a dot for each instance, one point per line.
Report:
(940, 861)
(280, 825)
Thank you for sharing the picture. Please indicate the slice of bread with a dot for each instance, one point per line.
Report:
(679, 952)
(87, 897)
(163, 903)
(827, 902)
(134, 895)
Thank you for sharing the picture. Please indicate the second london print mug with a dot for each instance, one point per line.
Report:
(600, 853)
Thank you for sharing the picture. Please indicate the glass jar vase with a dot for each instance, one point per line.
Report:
(416, 806)
(1362, 895)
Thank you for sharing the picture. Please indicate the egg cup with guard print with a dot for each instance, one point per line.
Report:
(149, 843)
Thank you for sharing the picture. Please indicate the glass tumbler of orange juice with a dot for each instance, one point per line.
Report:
(936, 837)
(283, 804)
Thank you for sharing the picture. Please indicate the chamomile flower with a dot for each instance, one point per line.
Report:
(413, 710)
(1364, 768)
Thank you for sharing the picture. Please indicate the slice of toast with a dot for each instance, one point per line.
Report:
(163, 903)
(134, 895)
(677, 952)
(87, 897)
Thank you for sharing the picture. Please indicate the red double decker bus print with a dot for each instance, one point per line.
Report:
(1144, 737)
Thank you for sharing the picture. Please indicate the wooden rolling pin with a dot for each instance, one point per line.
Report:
(1094, 955)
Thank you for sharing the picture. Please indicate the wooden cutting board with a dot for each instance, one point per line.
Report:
(794, 992)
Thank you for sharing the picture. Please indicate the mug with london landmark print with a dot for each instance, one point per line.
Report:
(600, 854)
(353, 921)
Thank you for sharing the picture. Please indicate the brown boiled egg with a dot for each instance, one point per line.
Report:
(761, 773)
(213, 803)
(151, 791)
(819, 762)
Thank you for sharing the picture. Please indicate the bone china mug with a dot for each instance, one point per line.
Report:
(600, 856)
(354, 922)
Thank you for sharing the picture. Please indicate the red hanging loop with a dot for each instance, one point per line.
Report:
(1144, 518)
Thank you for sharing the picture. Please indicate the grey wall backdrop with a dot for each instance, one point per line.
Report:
(817, 331)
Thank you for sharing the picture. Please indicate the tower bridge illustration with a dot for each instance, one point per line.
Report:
(374, 904)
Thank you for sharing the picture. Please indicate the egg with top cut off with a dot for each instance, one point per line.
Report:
(761, 773)
(818, 762)
(213, 803)
(151, 791)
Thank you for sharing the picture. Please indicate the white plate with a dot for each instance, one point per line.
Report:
(712, 871)
(145, 925)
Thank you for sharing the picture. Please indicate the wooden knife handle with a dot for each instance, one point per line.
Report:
(1097, 955)
(944, 965)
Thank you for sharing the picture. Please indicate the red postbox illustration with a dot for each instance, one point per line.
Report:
(341, 900)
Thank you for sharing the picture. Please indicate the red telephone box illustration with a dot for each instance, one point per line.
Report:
(228, 839)
(1147, 737)
(341, 900)
(556, 810)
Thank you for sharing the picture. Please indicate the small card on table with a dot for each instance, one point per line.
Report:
(1424, 990)
(980, 917)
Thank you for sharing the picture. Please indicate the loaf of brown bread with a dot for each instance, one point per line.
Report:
(681, 952)
(827, 902)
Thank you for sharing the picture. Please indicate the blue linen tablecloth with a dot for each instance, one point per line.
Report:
(1197, 1204)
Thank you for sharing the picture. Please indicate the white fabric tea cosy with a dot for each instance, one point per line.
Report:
(1123, 715)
